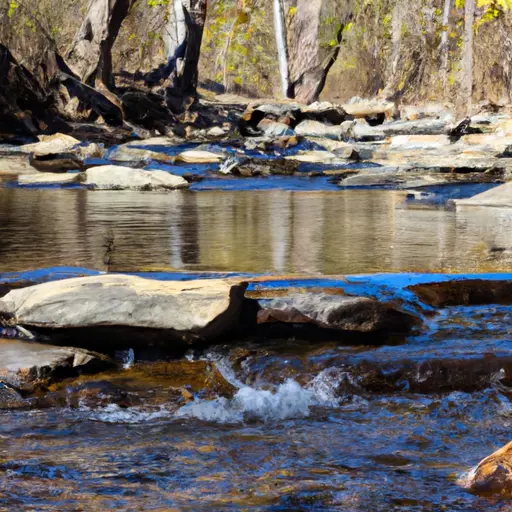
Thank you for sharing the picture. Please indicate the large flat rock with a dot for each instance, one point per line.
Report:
(498, 197)
(202, 308)
(117, 177)
(24, 365)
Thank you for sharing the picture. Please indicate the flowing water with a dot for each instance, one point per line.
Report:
(308, 427)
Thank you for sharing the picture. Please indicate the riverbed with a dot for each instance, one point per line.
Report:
(303, 430)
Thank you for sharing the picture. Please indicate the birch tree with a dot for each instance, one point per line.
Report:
(282, 50)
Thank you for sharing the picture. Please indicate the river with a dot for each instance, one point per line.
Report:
(302, 431)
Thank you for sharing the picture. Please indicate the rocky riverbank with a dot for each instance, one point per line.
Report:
(365, 144)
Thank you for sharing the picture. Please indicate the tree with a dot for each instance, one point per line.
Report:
(90, 54)
(467, 56)
(314, 43)
(183, 47)
(282, 50)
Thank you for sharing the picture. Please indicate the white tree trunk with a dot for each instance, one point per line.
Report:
(282, 50)
(467, 56)
(443, 47)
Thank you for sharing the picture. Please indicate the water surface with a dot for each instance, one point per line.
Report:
(342, 232)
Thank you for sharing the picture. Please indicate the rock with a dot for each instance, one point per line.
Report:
(275, 129)
(131, 305)
(115, 177)
(419, 127)
(126, 153)
(61, 162)
(428, 111)
(464, 292)
(419, 142)
(50, 178)
(51, 145)
(10, 398)
(14, 165)
(217, 132)
(493, 475)
(360, 130)
(500, 196)
(312, 156)
(317, 129)
(324, 112)
(25, 365)
(337, 312)
(376, 112)
(382, 177)
(200, 157)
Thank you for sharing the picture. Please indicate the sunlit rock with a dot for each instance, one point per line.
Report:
(275, 129)
(493, 475)
(497, 197)
(115, 177)
(126, 153)
(49, 178)
(316, 129)
(128, 304)
(200, 157)
(25, 365)
(51, 145)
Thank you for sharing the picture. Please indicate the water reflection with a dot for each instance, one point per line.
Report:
(270, 231)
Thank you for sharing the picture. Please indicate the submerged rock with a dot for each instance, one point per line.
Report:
(464, 292)
(498, 197)
(115, 177)
(493, 475)
(134, 306)
(361, 314)
(26, 365)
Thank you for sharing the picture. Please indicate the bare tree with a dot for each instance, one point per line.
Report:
(183, 46)
(90, 54)
(310, 57)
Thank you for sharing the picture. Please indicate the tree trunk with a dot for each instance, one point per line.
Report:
(90, 54)
(282, 50)
(312, 52)
(443, 47)
(396, 37)
(467, 56)
(183, 47)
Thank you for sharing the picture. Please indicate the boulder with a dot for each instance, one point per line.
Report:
(126, 153)
(493, 475)
(428, 111)
(316, 129)
(361, 314)
(49, 178)
(374, 111)
(498, 197)
(115, 177)
(324, 112)
(419, 127)
(51, 145)
(200, 157)
(275, 129)
(25, 365)
(180, 311)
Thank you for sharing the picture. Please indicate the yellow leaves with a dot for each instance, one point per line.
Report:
(12, 9)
